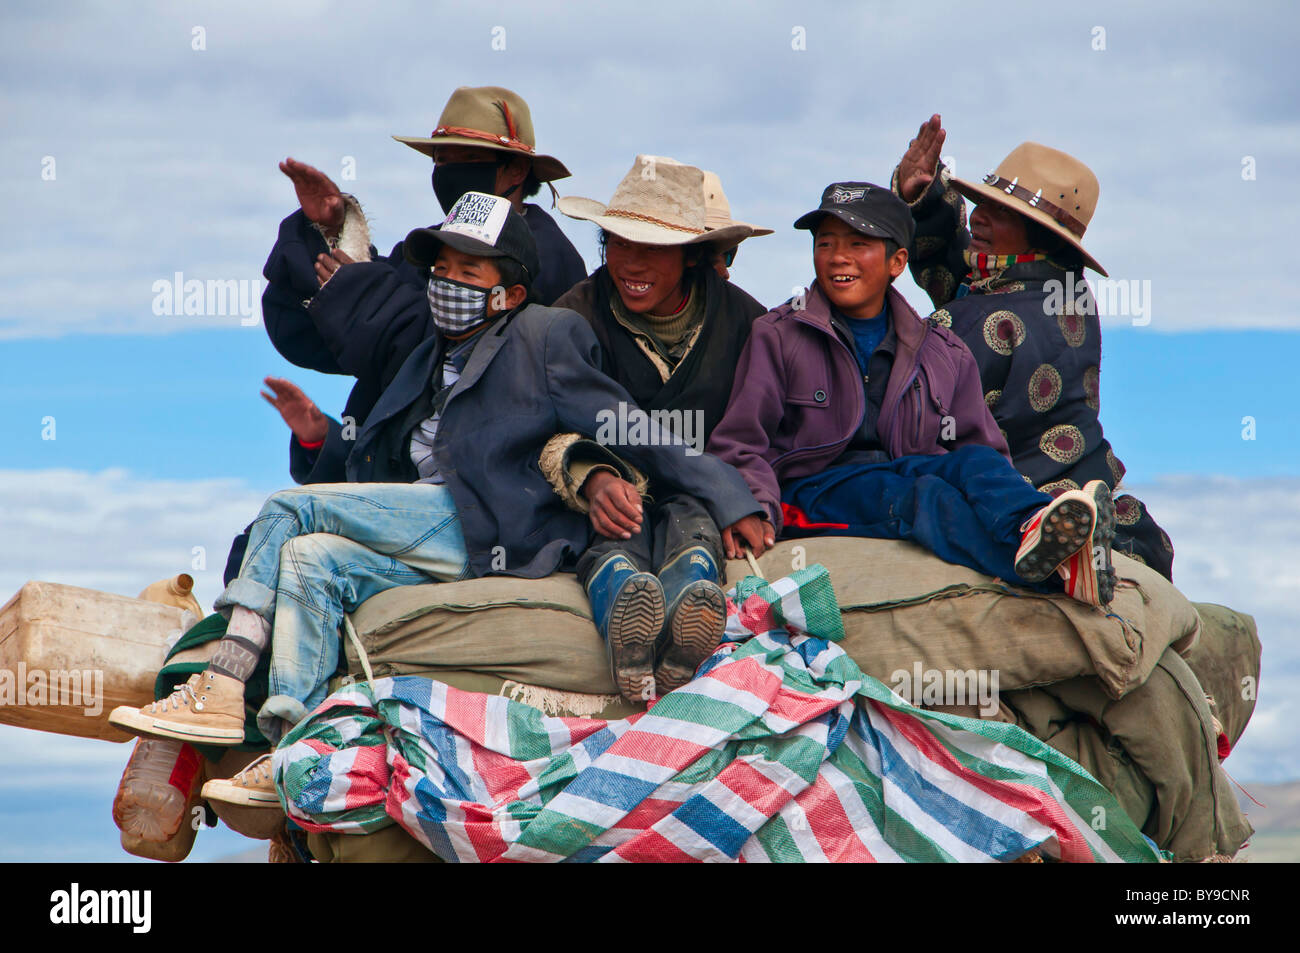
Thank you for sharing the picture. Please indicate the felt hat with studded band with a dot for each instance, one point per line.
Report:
(1046, 186)
(488, 117)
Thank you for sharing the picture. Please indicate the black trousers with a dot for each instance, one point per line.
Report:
(668, 527)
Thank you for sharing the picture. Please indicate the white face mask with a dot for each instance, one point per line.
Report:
(457, 307)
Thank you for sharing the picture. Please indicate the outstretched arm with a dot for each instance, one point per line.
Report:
(937, 261)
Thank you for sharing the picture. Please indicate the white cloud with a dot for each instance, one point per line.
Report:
(166, 155)
(1237, 543)
(118, 533)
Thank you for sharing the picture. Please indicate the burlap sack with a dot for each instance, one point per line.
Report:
(902, 607)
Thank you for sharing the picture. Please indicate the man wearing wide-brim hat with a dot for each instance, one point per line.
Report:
(1012, 287)
(671, 331)
(483, 142)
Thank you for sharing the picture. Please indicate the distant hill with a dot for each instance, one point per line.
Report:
(1277, 823)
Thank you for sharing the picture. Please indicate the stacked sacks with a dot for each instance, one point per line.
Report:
(1151, 740)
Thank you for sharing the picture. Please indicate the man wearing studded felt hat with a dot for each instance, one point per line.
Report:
(1011, 285)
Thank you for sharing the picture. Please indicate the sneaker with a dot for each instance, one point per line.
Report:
(628, 608)
(1089, 574)
(1055, 533)
(697, 615)
(252, 787)
(208, 708)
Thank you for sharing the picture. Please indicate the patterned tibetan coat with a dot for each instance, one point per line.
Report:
(1034, 331)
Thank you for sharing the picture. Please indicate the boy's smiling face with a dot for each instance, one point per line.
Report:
(852, 269)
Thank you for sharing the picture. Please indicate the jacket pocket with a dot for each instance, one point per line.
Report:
(811, 396)
(918, 413)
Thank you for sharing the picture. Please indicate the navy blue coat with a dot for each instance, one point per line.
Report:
(535, 373)
(302, 318)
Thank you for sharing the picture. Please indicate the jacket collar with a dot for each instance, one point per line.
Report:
(484, 351)
(909, 326)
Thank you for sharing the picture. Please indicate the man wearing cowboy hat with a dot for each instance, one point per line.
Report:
(671, 330)
(483, 142)
(1006, 286)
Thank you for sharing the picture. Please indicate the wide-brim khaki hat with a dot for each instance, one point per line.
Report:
(489, 117)
(1046, 186)
(659, 202)
(717, 210)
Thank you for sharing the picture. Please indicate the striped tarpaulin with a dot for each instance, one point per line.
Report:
(780, 749)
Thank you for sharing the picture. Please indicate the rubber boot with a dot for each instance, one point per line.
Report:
(697, 615)
(628, 609)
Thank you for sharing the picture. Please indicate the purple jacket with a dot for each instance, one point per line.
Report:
(798, 397)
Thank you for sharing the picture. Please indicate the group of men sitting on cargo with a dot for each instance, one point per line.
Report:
(489, 366)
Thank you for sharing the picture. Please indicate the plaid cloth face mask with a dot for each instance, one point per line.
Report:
(457, 307)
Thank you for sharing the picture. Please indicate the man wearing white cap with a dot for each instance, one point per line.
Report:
(483, 142)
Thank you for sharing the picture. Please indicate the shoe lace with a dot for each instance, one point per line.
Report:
(183, 695)
(257, 772)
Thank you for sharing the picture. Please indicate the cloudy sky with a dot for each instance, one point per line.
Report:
(143, 144)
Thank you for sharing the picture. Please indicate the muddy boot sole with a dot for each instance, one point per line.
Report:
(1062, 533)
(694, 632)
(635, 621)
(1103, 537)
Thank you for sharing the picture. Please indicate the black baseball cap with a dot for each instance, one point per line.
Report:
(478, 224)
(870, 209)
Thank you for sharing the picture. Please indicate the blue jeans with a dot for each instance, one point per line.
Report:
(317, 552)
(966, 507)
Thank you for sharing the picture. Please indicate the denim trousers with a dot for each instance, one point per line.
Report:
(317, 552)
(966, 507)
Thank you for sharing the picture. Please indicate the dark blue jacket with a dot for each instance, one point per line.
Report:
(302, 318)
(535, 373)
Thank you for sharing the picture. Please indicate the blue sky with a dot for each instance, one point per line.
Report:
(186, 405)
(141, 144)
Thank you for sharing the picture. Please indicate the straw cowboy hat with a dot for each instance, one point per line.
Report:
(717, 210)
(489, 117)
(659, 202)
(1046, 186)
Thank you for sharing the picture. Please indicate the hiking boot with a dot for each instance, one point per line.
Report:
(628, 609)
(1089, 574)
(1055, 533)
(252, 787)
(208, 708)
(697, 614)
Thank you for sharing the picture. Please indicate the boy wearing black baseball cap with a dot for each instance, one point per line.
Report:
(852, 415)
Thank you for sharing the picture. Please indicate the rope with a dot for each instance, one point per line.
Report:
(356, 644)
(753, 563)
(623, 213)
